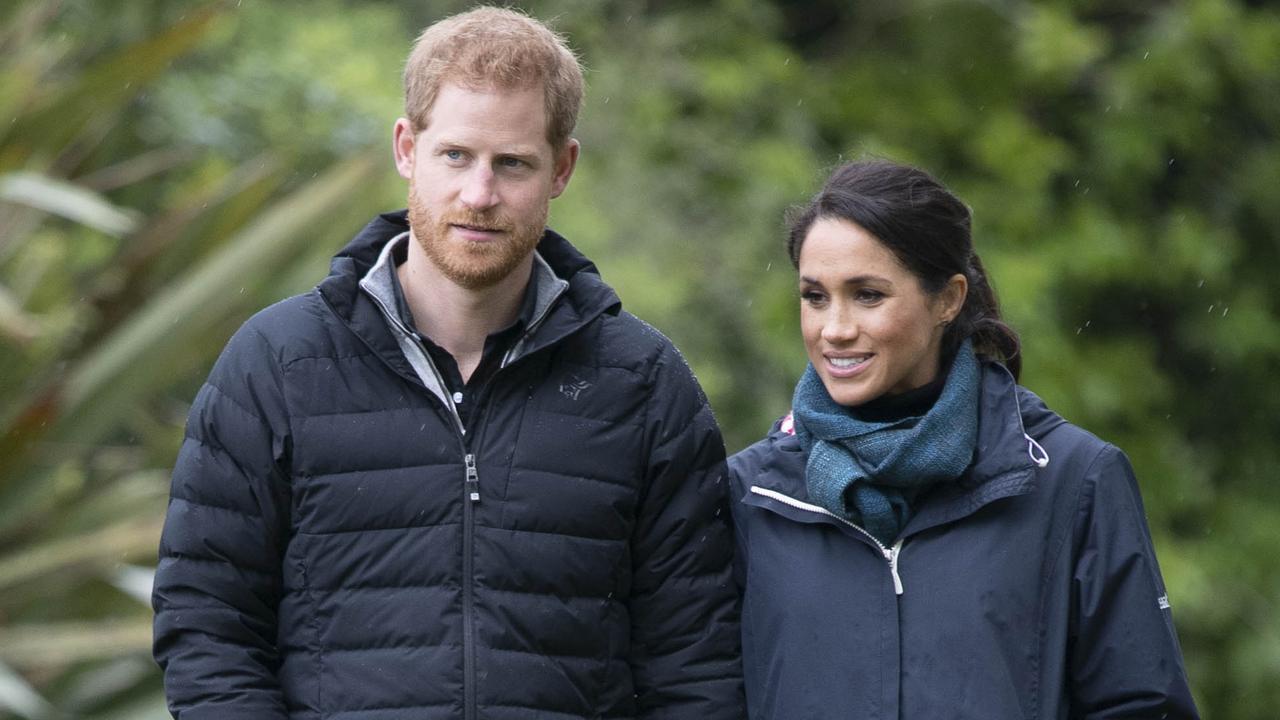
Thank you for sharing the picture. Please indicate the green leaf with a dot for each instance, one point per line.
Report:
(68, 200)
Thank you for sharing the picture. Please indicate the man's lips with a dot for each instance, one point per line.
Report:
(476, 232)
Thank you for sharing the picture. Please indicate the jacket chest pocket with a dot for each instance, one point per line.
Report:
(573, 475)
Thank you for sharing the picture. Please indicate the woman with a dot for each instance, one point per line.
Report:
(921, 537)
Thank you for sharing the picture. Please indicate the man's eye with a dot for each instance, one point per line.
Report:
(454, 155)
(511, 162)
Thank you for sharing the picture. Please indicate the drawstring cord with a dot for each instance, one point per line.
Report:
(1032, 448)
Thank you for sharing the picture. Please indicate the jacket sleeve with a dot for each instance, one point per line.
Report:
(218, 580)
(1125, 660)
(685, 647)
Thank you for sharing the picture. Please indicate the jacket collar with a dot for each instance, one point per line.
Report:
(1004, 464)
(572, 296)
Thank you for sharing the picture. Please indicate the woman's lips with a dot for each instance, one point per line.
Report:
(845, 366)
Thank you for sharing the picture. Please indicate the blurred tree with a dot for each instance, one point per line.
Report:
(130, 248)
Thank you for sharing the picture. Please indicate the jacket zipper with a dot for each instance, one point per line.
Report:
(471, 495)
(472, 488)
(890, 553)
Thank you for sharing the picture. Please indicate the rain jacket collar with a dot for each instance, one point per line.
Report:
(1005, 460)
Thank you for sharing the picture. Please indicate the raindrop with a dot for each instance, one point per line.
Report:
(768, 266)
(1170, 162)
(1211, 308)
(1146, 55)
(606, 101)
(1201, 283)
(799, 102)
(1224, 311)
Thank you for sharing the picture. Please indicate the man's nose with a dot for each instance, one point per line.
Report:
(480, 190)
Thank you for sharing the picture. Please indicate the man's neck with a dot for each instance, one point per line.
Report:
(456, 318)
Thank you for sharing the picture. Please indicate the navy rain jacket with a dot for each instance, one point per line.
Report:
(323, 556)
(1019, 591)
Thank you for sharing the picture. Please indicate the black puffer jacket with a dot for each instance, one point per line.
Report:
(323, 556)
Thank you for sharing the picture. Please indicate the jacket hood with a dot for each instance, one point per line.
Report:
(359, 255)
(586, 298)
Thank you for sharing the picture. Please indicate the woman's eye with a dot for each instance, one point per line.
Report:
(869, 296)
(812, 297)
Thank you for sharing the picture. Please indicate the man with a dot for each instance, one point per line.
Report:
(455, 480)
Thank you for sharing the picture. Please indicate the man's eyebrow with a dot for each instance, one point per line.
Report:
(510, 150)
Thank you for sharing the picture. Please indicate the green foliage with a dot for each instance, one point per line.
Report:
(172, 166)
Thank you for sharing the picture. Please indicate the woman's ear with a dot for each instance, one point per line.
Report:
(950, 300)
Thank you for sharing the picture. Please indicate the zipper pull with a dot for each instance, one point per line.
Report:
(473, 479)
(891, 554)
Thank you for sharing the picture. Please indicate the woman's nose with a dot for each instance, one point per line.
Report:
(841, 326)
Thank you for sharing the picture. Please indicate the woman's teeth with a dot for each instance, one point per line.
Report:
(847, 362)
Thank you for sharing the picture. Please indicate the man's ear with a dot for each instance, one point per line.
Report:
(402, 144)
(566, 161)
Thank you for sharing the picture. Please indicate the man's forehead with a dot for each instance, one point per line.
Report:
(488, 113)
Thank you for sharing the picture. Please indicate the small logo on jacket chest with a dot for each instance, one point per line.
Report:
(573, 386)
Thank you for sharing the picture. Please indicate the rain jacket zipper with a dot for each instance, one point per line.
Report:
(890, 553)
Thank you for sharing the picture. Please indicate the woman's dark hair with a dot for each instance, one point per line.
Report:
(928, 230)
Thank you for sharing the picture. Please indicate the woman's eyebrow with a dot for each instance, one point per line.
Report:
(855, 280)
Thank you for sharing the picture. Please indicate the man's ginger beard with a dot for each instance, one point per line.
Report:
(472, 265)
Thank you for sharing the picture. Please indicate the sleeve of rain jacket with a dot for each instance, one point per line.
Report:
(685, 647)
(218, 581)
(1125, 660)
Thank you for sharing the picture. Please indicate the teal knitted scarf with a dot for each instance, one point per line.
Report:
(869, 472)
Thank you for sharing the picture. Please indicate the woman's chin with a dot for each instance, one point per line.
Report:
(851, 392)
